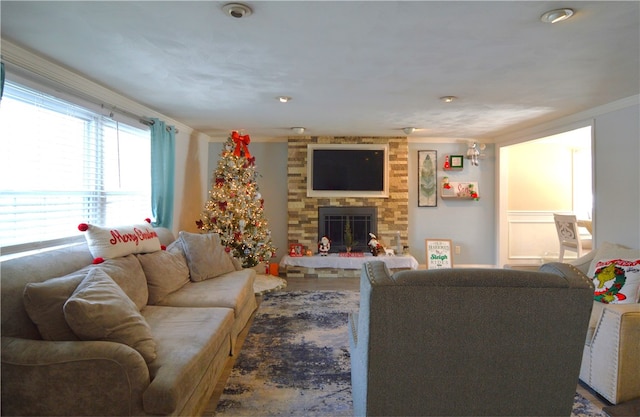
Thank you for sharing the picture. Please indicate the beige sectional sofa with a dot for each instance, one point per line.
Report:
(140, 334)
(611, 357)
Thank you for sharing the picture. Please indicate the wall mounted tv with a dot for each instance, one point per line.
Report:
(335, 170)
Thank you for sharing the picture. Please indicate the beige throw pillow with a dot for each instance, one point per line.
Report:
(205, 255)
(100, 310)
(127, 272)
(166, 271)
(44, 302)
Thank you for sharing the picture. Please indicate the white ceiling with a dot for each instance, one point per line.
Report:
(353, 68)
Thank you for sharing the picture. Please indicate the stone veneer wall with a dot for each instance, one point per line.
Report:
(393, 211)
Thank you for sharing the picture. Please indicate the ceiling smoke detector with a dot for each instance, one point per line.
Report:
(237, 10)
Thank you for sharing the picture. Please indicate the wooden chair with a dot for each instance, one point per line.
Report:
(569, 235)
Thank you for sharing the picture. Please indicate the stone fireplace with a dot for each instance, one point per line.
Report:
(332, 222)
(391, 213)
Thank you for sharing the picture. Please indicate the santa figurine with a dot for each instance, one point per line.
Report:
(324, 245)
(374, 245)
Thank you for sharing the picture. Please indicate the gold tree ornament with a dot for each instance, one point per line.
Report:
(235, 209)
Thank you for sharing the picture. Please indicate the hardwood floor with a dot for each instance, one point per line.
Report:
(338, 284)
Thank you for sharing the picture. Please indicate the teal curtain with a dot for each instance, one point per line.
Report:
(1, 79)
(163, 161)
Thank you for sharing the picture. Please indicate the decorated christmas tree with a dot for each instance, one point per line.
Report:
(235, 206)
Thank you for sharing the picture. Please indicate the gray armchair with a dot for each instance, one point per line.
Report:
(462, 342)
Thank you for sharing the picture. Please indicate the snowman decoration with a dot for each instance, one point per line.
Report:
(324, 245)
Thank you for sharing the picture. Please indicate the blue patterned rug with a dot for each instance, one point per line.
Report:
(295, 360)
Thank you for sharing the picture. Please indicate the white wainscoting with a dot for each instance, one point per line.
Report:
(531, 237)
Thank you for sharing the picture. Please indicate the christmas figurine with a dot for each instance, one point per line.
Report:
(446, 162)
(324, 245)
(374, 245)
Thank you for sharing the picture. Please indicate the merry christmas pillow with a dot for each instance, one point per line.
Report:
(114, 242)
(617, 281)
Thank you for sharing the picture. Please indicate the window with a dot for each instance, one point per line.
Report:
(61, 165)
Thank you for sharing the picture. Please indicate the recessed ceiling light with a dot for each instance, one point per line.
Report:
(557, 15)
(237, 10)
(448, 99)
(284, 99)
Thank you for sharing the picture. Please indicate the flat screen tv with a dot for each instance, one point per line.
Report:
(335, 170)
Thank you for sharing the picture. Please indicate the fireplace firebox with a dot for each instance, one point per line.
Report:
(332, 222)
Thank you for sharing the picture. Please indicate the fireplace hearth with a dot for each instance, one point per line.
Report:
(332, 222)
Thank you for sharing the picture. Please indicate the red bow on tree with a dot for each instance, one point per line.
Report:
(242, 143)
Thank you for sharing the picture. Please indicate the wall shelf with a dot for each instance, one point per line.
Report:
(459, 190)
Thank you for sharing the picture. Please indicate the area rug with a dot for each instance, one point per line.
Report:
(295, 360)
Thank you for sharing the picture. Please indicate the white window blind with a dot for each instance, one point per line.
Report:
(61, 165)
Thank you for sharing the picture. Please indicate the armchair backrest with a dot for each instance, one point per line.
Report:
(469, 341)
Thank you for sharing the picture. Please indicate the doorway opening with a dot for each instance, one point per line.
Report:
(540, 177)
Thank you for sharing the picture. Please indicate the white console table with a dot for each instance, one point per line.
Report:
(334, 265)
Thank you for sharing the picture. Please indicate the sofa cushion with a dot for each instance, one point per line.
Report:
(617, 281)
(232, 290)
(188, 341)
(44, 302)
(166, 271)
(113, 242)
(99, 310)
(206, 256)
(127, 272)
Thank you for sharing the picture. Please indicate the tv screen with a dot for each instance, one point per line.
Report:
(358, 170)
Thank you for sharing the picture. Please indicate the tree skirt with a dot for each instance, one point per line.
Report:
(267, 283)
(295, 360)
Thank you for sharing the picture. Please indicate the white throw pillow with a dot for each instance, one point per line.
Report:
(113, 242)
(615, 270)
(617, 281)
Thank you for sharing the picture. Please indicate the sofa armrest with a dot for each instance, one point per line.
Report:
(615, 353)
(71, 378)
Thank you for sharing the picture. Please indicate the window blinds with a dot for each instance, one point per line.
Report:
(61, 165)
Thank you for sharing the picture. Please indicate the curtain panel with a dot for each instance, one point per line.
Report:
(163, 141)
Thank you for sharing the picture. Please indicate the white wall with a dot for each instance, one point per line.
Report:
(617, 177)
(191, 183)
(468, 223)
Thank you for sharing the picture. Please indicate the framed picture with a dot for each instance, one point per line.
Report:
(457, 161)
(427, 187)
(438, 253)
(296, 249)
